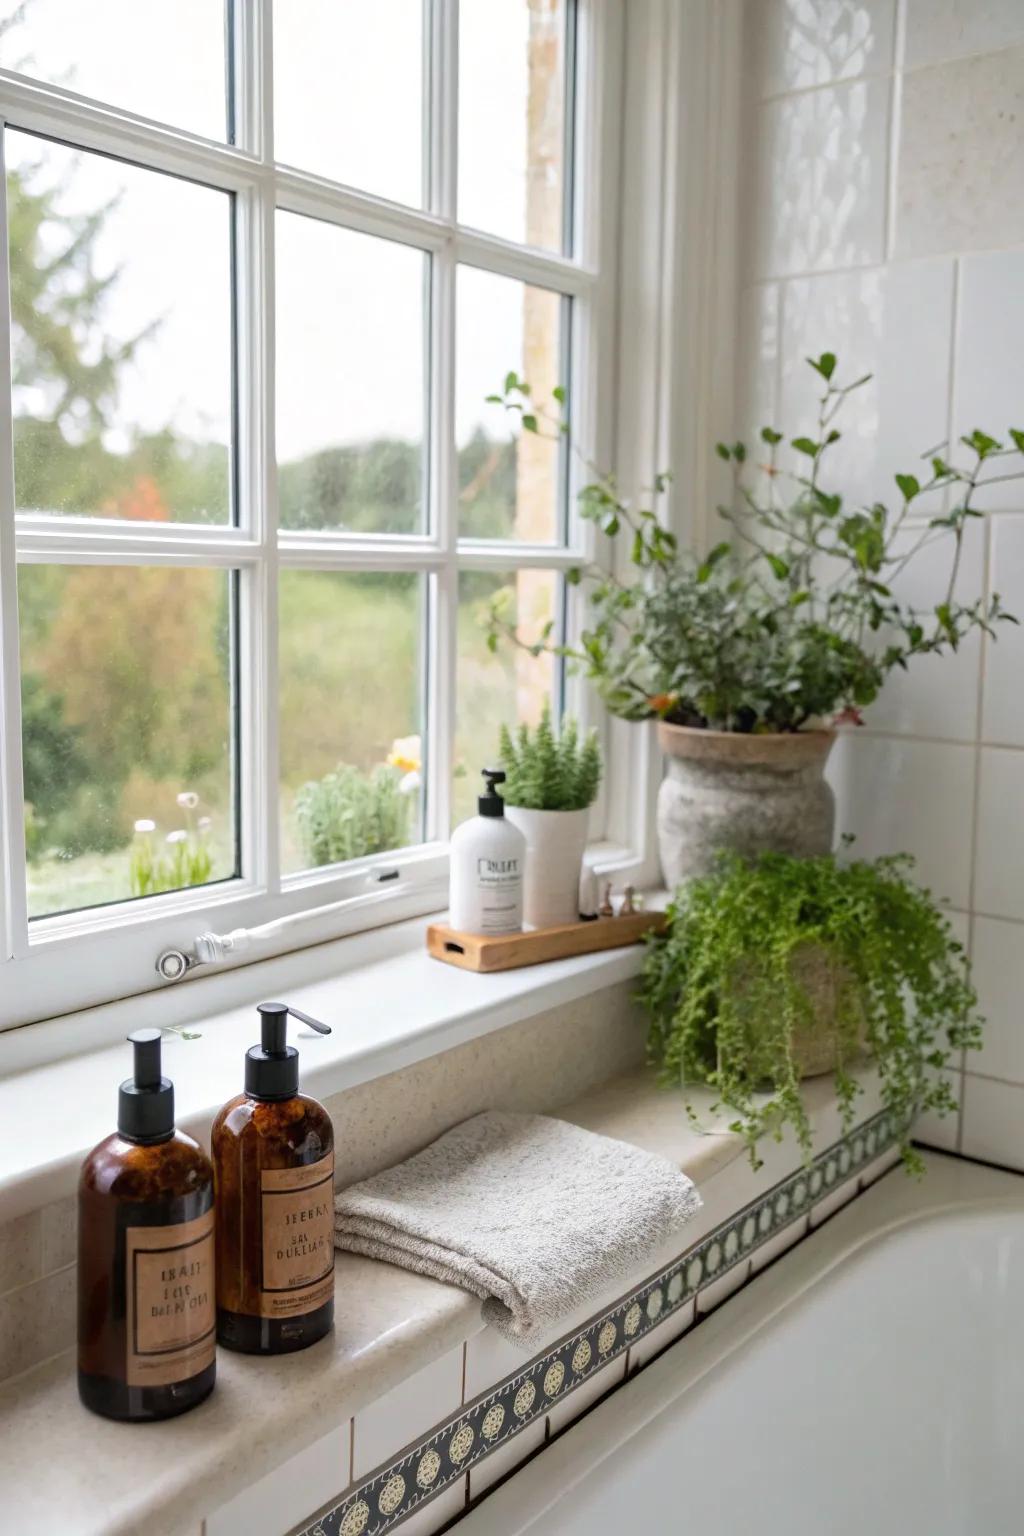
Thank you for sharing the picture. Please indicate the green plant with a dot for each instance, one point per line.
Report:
(183, 861)
(727, 995)
(795, 618)
(350, 813)
(545, 772)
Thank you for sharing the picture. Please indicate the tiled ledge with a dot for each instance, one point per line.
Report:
(391, 1328)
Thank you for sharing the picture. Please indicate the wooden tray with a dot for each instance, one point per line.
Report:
(506, 951)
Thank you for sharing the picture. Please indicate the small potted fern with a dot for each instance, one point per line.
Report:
(551, 783)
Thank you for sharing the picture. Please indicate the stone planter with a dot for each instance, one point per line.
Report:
(555, 843)
(750, 794)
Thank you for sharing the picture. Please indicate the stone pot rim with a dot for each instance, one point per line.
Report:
(776, 749)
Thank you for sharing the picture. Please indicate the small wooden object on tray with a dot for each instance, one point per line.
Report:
(506, 951)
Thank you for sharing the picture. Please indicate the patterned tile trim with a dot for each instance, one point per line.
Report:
(383, 1500)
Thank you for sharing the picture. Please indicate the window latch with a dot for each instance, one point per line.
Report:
(215, 948)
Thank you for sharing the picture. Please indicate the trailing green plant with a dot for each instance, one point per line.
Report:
(796, 617)
(350, 813)
(545, 772)
(728, 990)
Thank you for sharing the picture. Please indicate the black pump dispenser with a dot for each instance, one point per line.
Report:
(490, 802)
(272, 1067)
(145, 1102)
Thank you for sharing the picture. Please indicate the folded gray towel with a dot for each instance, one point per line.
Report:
(531, 1214)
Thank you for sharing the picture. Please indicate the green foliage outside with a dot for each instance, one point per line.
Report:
(126, 673)
(545, 772)
(795, 619)
(350, 813)
(727, 995)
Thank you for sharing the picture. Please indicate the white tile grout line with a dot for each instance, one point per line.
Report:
(855, 269)
(980, 691)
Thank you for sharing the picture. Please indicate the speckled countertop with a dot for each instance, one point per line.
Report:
(62, 1468)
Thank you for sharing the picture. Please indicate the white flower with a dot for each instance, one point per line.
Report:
(180, 836)
(188, 800)
(405, 753)
(409, 783)
(205, 823)
(145, 826)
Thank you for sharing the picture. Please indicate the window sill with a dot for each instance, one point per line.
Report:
(389, 1004)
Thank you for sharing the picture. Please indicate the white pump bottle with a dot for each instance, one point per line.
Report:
(488, 857)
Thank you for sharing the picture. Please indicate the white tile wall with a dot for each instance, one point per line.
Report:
(898, 793)
(942, 1131)
(438, 1512)
(993, 1127)
(820, 180)
(999, 883)
(951, 29)
(409, 1410)
(989, 385)
(961, 137)
(275, 1504)
(886, 223)
(937, 696)
(873, 321)
(1003, 699)
(501, 1462)
(602, 1382)
(796, 44)
(999, 976)
(662, 1336)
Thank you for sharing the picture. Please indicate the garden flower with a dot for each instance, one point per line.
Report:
(406, 754)
(409, 783)
(179, 836)
(188, 800)
(145, 826)
(204, 823)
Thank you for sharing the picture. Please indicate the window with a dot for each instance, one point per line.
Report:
(255, 505)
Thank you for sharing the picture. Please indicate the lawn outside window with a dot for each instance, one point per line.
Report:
(253, 502)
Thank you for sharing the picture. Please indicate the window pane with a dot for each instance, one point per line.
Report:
(351, 712)
(162, 61)
(512, 118)
(507, 687)
(348, 92)
(351, 379)
(126, 730)
(510, 484)
(121, 338)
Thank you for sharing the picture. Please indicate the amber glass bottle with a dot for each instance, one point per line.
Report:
(273, 1160)
(146, 1295)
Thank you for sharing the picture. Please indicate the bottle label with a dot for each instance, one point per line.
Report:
(171, 1302)
(298, 1238)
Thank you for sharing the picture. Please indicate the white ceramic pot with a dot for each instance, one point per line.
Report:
(555, 841)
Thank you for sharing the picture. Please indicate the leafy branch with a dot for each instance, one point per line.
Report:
(795, 617)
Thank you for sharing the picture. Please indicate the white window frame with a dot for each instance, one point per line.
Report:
(73, 961)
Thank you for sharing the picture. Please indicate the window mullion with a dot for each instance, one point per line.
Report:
(442, 611)
(257, 467)
(13, 897)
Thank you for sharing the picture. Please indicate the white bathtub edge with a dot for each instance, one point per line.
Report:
(894, 1202)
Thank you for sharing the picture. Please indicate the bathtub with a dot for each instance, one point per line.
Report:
(871, 1383)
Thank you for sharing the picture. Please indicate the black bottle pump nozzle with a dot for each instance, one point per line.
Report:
(272, 1067)
(490, 802)
(145, 1101)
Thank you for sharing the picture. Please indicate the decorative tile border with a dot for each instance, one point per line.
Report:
(383, 1500)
